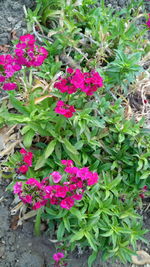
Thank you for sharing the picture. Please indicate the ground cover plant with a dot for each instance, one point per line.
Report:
(83, 164)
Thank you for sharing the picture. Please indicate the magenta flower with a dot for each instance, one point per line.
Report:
(23, 151)
(67, 163)
(18, 188)
(64, 109)
(28, 158)
(23, 169)
(60, 191)
(92, 179)
(77, 196)
(29, 54)
(56, 177)
(148, 22)
(70, 70)
(87, 82)
(58, 256)
(27, 199)
(67, 203)
(27, 39)
(9, 86)
(34, 182)
(144, 188)
(2, 78)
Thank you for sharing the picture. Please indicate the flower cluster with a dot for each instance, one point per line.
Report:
(64, 109)
(27, 159)
(39, 193)
(8, 66)
(148, 22)
(87, 82)
(26, 54)
(29, 54)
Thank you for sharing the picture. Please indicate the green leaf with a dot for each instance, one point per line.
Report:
(115, 182)
(66, 223)
(72, 156)
(91, 240)
(18, 105)
(145, 175)
(58, 151)
(38, 222)
(109, 233)
(92, 258)
(121, 137)
(51, 211)
(76, 212)
(50, 148)
(70, 147)
(77, 236)
(60, 231)
(28, 137)
(40, 163)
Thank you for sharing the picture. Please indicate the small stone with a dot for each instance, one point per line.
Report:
(2, 250)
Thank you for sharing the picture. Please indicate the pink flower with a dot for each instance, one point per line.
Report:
(37, 205)
(28, 158)
(72, 187)
(9, 86)
(58, 256)
(18, 188)
(61, 191)
(54, 201)
(23, 169)
(64, 109)
(68, 163)
(78, 79)
(77, 196)
(142, 196)
(93, 179)
(71, 170)
(70, 70)
(144, 188)
(29, 54)
(27, 199)
(83, 173)
(148, 22)
(27, 39)
(56, 177)
(23, 151)
(2, 78)
(67, 203)
(33, 182)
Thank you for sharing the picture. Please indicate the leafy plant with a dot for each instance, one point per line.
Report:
(70, 110)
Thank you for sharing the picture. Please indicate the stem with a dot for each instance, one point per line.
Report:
(37, 225)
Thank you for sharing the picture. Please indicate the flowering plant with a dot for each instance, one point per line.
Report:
(75, 118)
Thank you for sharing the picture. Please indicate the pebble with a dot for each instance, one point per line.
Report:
(2, 250)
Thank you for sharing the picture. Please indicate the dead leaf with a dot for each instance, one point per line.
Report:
(9, 139)
(13, 35)
(14, 222)
(40, 99)
(4, 48)
(141, 258)
(27, 216)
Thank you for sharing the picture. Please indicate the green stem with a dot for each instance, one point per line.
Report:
(37, 225)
